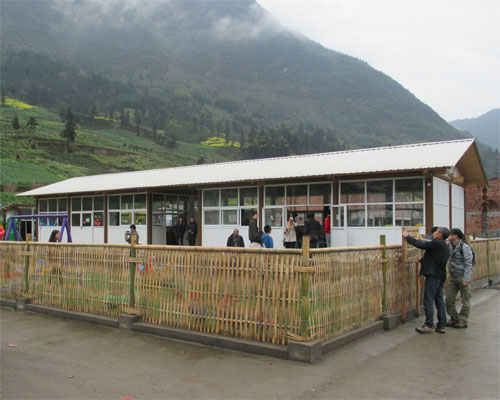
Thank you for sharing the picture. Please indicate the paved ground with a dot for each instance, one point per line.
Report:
(60, 359)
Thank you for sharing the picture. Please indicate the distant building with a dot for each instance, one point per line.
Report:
(483, 209)
(368, 192)
(24, 226)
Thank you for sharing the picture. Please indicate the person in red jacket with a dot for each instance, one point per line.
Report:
(2, 232)
(328, 231)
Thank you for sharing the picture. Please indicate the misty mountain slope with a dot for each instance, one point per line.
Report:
(230, 57)
(486, 127)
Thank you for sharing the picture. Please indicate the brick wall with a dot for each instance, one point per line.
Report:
(475, 199)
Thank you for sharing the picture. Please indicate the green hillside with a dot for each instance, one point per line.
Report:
(38, 156)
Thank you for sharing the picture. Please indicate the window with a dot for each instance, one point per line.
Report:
(62, 205)
(409, 190)
(140, 218)
(229, 197)
(273, 216)
(352, 192)
(212, 217)
(114, 202)
(114, 218)
(275, 196)
(42, 206)
(229, 217)
(248, 197)
(87, 219)
(320, 193)
(127, 202)
(356, 215)
(211, 198)
(53, 206)
(379, 191)
(296, 194)
(98, 203)
(380, 215)
(76, 204)
(75, 219)
(98, 219)
(409, 214)
(246, 216)
(87, 211)
(140, 201)
(126, 218)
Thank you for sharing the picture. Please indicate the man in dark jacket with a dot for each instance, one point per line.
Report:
(235, 240)
(253, 230)
(433, 267)
(312, 228)
(192, 228)
(180, 229)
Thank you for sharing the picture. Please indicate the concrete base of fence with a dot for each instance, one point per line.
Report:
(485, 282)
(350, 337)
(208, 339)
(392, 321)
(21, 303)
(309, 352)
(74, 315)
(125, 321)
(8, 303)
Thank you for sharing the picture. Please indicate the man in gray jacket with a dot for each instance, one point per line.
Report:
(460, 269)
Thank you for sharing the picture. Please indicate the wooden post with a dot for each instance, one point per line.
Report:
(27, 263)
(490, 281)
(384, 273)
(417, 291)
(131, 302)
(403, 281)
(304, 292)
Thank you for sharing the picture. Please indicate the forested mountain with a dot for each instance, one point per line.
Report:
(486, 127)
(194, 70)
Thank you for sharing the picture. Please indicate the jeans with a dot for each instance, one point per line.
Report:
(433, 294)
(328, 238)
(454, 286)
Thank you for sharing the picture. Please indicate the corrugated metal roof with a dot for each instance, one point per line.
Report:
(380, 159)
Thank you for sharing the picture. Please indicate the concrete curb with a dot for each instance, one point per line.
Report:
(74, 315)
(8, 303)
(208, 339)
(350, 337)
(392, 321)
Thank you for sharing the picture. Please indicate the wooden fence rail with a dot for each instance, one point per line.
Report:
(263, 295)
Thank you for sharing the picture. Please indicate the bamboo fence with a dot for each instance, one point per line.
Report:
(257, 294)
(346, 290)
(12, 267)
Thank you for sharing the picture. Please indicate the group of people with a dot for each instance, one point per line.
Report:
(257, 239)
(445, 248)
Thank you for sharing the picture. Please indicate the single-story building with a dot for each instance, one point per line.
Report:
(25, 226)
(367, 192)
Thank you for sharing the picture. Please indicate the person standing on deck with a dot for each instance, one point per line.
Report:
(328, 231)
(192, 229)
(132, 232)
(180, 229)
(253, 231)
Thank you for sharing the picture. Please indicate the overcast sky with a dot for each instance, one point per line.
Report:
(446, 52)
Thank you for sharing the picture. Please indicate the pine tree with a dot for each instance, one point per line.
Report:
(15, 123)
(69, 132)
(31, 124)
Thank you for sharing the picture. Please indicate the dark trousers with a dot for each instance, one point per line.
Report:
(434, 294)
(192, 240)
(291, 245)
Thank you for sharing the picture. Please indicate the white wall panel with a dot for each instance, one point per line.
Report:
(458, 207)
(441, 203)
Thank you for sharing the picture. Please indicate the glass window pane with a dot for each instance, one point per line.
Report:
(114, 202)
(248, 197)
(76, 204)
(338, 217)
(409, 214)
(409, 190)
(275, 196)
(42, 206)
(126, 218)
(98, 218)
(212, 217)
(171, 202)
(246, 215)
(183, 203)
(98, 203)
(52, 221)
(53, 205)
(114, 218)
(356, 215)
(229, 217)
(158, 200)
(127, 202)
(87, 204)
(352, 192)
(211, 198)
(75, 219)
(379, 191)
(62, 205)
(43, 221)
(296, 194)
(273, 216)
(380, 215)
(140, 218)
(229, 197)
(320, 193)
(87, 219)
(140, 201)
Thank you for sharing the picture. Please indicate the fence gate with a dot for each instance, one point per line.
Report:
(410, 256)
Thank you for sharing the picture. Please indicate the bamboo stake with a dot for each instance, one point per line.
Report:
(131, 300)
(403, 284)
(384, 274)
(27, 264)
(304, 293)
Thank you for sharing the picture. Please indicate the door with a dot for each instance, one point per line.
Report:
(339, 233)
